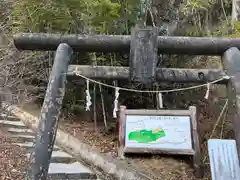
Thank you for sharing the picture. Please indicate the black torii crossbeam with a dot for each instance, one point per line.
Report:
(210, 46)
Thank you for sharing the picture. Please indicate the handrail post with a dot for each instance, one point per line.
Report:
(50, 112)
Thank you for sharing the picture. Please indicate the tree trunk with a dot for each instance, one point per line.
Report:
(235, 10)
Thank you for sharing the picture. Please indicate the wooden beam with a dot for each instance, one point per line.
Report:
(231, 62)
(163, 74)
(117, 43)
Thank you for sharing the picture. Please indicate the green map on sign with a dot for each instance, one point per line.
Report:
(146, 136)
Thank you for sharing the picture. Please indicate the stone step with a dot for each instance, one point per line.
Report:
(21, 131)
(9, 118)
(60, 157)
(70, 171)
(30, 146)
(22, 138)
(12, 124)
(82, 176)
(27, 145)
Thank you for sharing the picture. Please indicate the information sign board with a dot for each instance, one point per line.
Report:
(159, 131)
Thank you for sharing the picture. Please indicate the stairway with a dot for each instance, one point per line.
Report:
(63, 166)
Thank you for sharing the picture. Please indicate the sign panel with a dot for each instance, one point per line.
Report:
(158, 132)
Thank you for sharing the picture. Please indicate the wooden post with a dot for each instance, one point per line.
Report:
(122, 122)
(231, 64)
(143, 55)
(197, 163)
(49, 116)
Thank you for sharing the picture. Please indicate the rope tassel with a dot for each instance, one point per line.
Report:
(88, 97)
(116, 103)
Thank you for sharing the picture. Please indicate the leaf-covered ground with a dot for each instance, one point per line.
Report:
(13, 160)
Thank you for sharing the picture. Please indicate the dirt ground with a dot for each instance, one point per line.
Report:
(160, 167)
(13, 160)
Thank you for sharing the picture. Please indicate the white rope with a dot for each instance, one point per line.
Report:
(217, 123)
(219, 118)
(76, 72)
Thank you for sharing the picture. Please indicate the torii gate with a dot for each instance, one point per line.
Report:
(143, 45)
